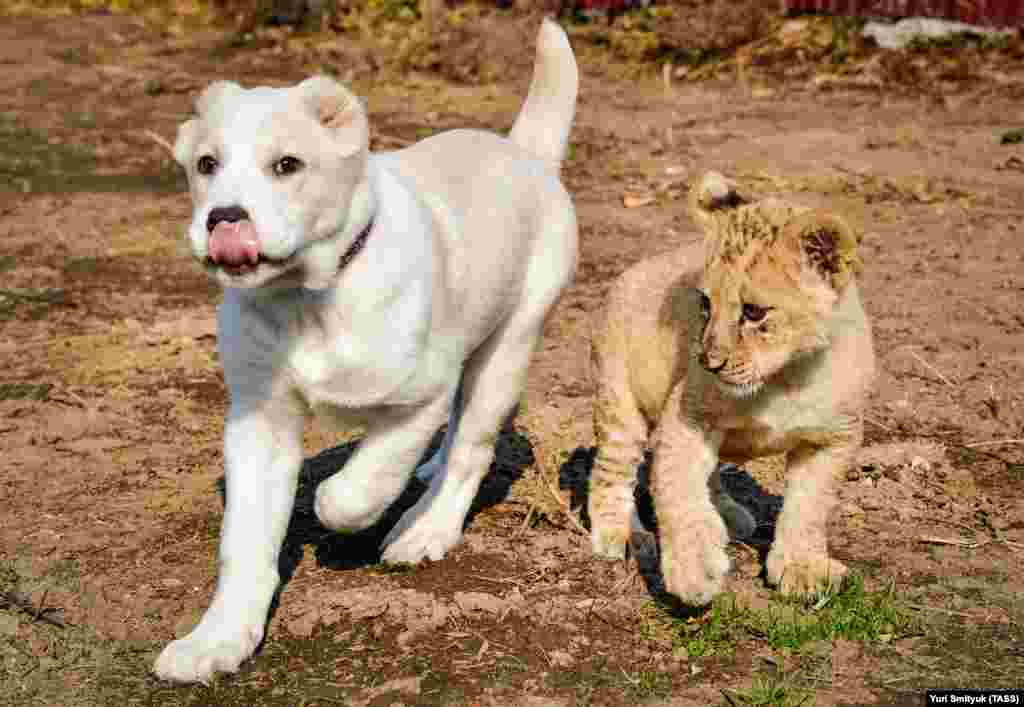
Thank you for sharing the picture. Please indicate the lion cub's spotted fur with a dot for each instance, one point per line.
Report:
(753, 343)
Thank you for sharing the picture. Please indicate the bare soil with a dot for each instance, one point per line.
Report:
(111, 399)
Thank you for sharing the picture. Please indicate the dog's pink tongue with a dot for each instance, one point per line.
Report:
(234, 243)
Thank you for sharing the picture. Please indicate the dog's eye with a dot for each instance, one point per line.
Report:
(753, 312)
(287, 165)
(206, 165)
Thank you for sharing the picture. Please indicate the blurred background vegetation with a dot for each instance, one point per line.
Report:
(480, 41)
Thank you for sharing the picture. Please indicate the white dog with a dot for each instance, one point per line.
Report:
(395, 289)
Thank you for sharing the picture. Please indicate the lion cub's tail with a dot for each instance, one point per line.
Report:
(546, 117)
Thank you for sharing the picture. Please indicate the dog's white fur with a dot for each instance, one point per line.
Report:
(472, 240)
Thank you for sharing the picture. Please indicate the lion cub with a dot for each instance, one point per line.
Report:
(751, 344)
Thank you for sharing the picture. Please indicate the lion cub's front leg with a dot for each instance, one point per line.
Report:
(693, 535)
(799, 563)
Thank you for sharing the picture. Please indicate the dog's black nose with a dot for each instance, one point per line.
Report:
(225, 213)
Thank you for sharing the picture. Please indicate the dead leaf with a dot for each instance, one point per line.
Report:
(635, 201)
(479, 601)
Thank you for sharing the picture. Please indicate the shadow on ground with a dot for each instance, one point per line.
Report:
(513, 453)
(574, 476)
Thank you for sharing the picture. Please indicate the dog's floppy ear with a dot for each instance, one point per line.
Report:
(205, 102)
(337, 109)
(828, 244)
(185, 142)
(214, 94)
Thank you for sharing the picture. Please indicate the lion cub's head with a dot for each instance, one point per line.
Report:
(773, 275)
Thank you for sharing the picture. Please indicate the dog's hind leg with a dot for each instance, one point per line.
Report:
(357, 496)
(439, 459)
(492, 382)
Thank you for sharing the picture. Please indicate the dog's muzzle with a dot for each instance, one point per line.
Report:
(233, 241)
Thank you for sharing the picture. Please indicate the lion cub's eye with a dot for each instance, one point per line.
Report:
(705, 305)
(753, 312)
(287, 165)
(206, 165)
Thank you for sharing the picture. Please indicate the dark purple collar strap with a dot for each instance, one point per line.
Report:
(357, 245)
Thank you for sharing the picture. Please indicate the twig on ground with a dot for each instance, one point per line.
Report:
(969, 544)
(14, 600)
(956, 524)
(526, 521)
(940, 610)
(496, 580)
(612, 624)
(878, 424)
(159, 140)
(728, 697)
(932, 368)
(993, 443)
(561, 503)
(632, 574)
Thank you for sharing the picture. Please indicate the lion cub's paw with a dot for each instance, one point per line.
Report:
(695, 563)
(804, 576)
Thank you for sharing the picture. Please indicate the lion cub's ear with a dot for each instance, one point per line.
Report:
(829, 245)
(713, 192)
(337, 109)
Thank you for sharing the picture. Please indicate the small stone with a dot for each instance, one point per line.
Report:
(920, 464)
(479, 601)
(561, 659)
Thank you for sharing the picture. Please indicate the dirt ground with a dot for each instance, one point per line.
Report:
(111, 400)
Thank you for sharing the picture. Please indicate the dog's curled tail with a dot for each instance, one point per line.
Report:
(543, 124)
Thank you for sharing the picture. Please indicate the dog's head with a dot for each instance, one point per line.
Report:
(278, 180)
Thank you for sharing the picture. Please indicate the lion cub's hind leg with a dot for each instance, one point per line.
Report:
(621, 432)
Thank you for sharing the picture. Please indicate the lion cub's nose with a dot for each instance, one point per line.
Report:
(231, 214)
(713, 365)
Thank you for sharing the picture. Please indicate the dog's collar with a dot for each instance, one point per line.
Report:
(357, 245)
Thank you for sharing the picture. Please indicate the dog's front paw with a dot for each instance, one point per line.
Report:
(345, 508)
(426, 537)
(804, 576)
(206, 651)
(694, 563)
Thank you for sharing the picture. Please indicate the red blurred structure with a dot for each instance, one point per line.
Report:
(609, 5)
(986, 13)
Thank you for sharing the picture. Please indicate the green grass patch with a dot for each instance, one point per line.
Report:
(851, 613)
(714, 633)
(768, 692)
